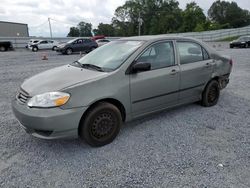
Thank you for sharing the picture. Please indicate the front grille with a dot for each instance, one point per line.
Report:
(22, 96)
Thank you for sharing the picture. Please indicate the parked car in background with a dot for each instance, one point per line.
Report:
(5, 46)
(31, 42)
(77, 45)
(242, 42)
(44, 45)
(101, 42)
(121, 81)
(98, 37)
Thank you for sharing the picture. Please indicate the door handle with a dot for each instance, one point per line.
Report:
(173, 72)
(208, 65)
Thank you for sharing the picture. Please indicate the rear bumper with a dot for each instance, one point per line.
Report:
(50, 123)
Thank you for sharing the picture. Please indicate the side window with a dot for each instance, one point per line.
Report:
(205, 54)
(79, 41)
(44, 42)
(189, 52)
(159, 55)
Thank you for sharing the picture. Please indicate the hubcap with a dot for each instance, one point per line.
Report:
(103, 126)
(212, 94)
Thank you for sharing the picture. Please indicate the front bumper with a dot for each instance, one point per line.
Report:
(50, 123)
(62, 50)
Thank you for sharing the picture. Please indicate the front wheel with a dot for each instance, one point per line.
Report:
(101, 125)
(211, 94)
(69, 51)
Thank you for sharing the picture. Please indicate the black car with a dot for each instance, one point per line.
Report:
(5, 45)
(77, 45)
(242, 42)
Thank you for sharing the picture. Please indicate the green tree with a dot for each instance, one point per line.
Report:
(85, 29)
(73, 32)
(228, 14)
(105, 29)
(193, 18)
(158, 17)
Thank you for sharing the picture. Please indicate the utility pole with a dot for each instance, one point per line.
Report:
(50, 28)
(139, 24)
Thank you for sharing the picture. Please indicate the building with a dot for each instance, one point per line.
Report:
(11, 29)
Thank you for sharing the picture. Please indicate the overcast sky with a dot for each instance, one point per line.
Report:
(68, 13)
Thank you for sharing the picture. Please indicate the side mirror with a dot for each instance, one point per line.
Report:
(140, 66)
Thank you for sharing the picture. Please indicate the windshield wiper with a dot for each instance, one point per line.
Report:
(92, 66)
(87, 66)
(78, 63)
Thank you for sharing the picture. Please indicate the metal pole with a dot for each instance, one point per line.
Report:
(50, 28)
(139, 21)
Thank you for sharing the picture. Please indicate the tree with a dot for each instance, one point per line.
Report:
(85, 29)
(228, 14)
(158, 17)
(193, 18)
(105, 29)
(74, 32)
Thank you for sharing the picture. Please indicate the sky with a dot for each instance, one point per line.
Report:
(67, 13)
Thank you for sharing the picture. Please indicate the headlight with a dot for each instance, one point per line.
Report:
(62, 46)
(49, 99)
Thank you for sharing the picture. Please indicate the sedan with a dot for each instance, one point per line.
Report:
(43, 45)
(242, 42)
(119, 82)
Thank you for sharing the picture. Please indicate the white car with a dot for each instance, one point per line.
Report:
(44, 45)
(101, 42)
(32, 41)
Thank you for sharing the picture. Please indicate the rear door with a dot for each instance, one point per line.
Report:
(43, 44)
(157, 88)
(196, 70)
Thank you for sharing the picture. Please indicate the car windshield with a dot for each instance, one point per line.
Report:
(71, 41)
(112, 55)
(242, 39)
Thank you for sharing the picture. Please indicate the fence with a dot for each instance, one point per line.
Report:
(208, 36)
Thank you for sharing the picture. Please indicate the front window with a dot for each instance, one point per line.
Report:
(159, 55)
(112, 55)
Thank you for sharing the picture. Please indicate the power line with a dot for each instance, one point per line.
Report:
(39, 25)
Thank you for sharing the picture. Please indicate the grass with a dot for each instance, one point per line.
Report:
(228, 39)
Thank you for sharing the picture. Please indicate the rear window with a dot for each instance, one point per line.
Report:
(189, 52)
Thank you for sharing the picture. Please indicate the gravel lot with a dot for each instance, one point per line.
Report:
(189, 146)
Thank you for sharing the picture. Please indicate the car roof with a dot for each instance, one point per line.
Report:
(157, 37)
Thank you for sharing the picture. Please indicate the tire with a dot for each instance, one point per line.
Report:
(54, 48)
(34, 49)
(69, 51)
(2, 48)
(246, 46)
(101, 124)
(91, 49)
(211, 94)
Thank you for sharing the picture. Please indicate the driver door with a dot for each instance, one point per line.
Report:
(157, 88)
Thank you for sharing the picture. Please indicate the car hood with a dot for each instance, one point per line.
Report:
(59, 78)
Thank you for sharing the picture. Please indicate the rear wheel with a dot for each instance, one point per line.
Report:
(2, 48)
(34, 49)
(101, 124)
(211, 93)
(54, 48)
(91, 49)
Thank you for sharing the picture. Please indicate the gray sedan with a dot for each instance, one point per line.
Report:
(120, 81)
